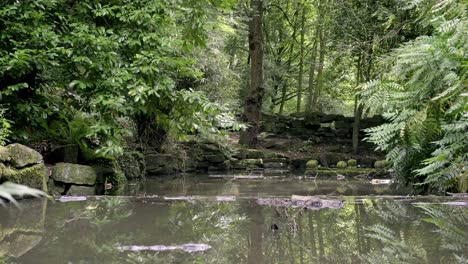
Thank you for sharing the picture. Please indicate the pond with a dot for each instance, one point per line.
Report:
(227, 220)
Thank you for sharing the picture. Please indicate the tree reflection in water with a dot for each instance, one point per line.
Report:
(242, 231)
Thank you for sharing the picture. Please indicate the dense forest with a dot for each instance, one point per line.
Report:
(109, 75)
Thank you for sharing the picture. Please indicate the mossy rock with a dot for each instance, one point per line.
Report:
(250, 162)
(312, 164)
(380, 164)
(352, 163)
(34, 176)
(20, 156)
(251, 154)
(74, 174)
(214, 158)
(77, 190)
(341, 164)
(348, 172)
(328, 158)
(133, 165)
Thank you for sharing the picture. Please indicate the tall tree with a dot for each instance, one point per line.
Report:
(254, 97)
(301, 59)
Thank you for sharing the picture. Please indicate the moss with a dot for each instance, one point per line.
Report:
(341, 164)
(352, 163)
(328, 158)
(4, 156)
(312, 164)
(251, 154)
(247, 162)
(34, 176)
(133, 165)
(21, 156)
(349, 172)
(380, 164)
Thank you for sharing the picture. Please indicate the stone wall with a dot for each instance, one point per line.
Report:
(320, 127)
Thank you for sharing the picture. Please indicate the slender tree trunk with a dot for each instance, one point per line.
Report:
(301, 60)
(254, 98)
(320, 235)
(255, 253)
(313, 247)
(364, 62)
(357, 124)
(284, 88)
(312, 73)
(318, 85)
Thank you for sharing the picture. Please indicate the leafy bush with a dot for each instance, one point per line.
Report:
(4, 128)
(74, 68)
(424, 96)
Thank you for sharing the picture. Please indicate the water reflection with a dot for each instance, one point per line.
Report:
(241, 231)
(21, 229)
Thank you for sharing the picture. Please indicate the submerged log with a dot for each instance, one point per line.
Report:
(186, 247)
(303, 202)
(237, 176)
(381, 181)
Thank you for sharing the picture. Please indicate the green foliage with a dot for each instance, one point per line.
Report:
(396, 248)
(94, 62)
(424, 96)
(5, 126)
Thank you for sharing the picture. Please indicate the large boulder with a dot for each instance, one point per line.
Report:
(157, 163)
(33, 176)
(22, 165)
(19, 156)
(74, 174)
(250, 154)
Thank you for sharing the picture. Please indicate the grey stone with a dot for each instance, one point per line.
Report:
(275, 165)
(76, 190)
(19, 156)
(133, 165)
(74, 173)
(219, 158)
(33, 176)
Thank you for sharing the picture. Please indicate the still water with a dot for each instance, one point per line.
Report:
(238, 221)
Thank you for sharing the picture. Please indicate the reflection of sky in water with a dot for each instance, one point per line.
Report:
(363, 230)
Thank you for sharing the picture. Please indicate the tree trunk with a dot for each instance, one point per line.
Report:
(357, 123)
(318, 85)
(149, 134)
(312, 73)
(254, 98)
(301, 61)
(255, 253)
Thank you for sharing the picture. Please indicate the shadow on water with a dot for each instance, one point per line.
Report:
(243, 229)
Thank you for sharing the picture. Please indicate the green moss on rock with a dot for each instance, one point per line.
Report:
(341, 164)
(348, 172)
(34, 176)
(380, 164)
(251, 154)
(247, 162)
(20, 156)
(133, 165)
(352, 163)
(312, 164)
